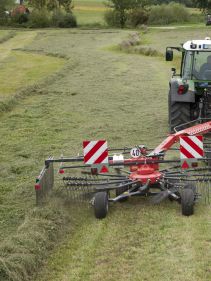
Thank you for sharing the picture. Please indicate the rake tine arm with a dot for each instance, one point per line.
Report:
(186, 171)
(115, 187)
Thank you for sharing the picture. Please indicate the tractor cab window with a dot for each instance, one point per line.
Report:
(187, 66)
(202, 66)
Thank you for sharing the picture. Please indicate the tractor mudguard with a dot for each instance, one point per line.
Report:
(189, 96)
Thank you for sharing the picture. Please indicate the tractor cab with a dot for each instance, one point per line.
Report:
(190, 90)
(196, 59)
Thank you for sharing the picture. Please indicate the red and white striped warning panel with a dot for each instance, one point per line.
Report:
(191, 147)
(95, 152)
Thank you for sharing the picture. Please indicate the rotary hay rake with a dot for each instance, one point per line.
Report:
(144, 173)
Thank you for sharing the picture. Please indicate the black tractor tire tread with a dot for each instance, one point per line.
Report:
(101, 204)
(187, 201)
(179, 113)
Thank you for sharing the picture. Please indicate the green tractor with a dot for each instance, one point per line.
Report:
(190, 91)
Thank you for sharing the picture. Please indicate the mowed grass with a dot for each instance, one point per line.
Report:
(20, 70)
(175, 36)
(99, 94)
(25, 69)
(137, 241)
(56, 119)
(3, 33)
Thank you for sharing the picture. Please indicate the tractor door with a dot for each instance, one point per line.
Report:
(187, 66)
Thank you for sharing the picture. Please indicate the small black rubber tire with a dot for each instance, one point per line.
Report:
(187, 201)
(101, 204)
(119, 191)
(179, 113)
(191, 186)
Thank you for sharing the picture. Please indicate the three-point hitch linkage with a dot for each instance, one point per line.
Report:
(144, 177)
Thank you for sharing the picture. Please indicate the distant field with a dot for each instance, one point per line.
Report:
(89, 2)
(89, 11)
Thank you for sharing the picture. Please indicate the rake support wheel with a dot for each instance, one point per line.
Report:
(101, 205)
(187, 201)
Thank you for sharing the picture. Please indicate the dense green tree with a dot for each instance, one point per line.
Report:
(188, 3)
(6, 4)
(67, 4)
(204, 5)
(51, 4)
(38, 4)
(123, 6)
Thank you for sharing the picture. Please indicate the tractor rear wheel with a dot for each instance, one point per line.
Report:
(179, 113)
(187, 201)
(101, 205)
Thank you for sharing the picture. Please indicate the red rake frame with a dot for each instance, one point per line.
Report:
(144, 173)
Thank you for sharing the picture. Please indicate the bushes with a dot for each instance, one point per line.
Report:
(112, 18)
(42, 18)
(159, 14)
(166, 14)
(4, 21)
(39, 18)
(20, 18)
(137, 17)
(68, 20)
(62, 19)
(134, 18)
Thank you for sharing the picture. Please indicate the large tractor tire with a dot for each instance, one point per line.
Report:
(179, 113)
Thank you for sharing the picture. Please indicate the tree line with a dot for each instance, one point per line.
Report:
(38, 4)
(121, 12)
(204, 5)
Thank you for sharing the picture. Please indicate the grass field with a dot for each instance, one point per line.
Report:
(89, 12)
(92, 93)
(3, 33)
